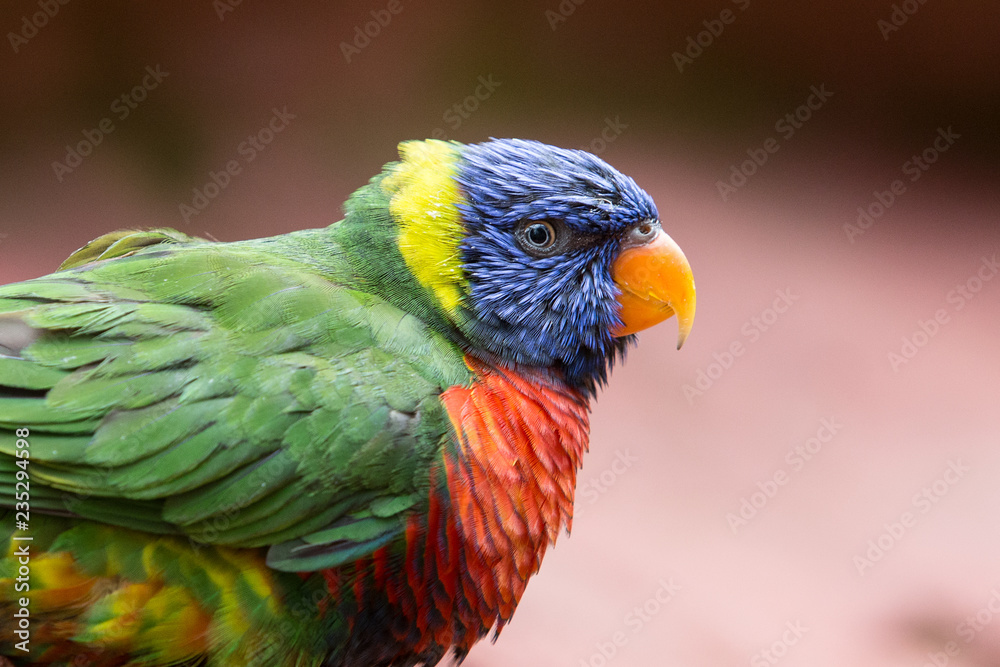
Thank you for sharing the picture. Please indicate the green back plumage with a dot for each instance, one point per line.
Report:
(241, 394)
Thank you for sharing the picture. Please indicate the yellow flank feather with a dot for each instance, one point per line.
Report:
(56, 583)
(136, 600)
(123, 610)
(255, 573)
(175, 628)
(424, 198)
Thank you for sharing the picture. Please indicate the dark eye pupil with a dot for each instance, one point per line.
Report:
(539, 235)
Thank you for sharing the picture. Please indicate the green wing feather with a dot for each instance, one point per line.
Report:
(242, 394)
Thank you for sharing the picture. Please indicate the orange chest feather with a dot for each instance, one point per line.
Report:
(521, 438)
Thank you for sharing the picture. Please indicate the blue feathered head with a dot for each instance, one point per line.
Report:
(538, 255)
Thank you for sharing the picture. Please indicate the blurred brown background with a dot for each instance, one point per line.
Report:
(840, 385)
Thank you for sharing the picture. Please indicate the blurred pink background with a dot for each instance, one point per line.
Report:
(870, 348)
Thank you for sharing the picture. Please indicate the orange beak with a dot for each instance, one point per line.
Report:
(656, 283)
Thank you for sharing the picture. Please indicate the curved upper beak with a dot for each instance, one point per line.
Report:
(656, 283)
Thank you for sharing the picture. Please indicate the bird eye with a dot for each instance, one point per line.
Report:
(538, 236)
(642, 233)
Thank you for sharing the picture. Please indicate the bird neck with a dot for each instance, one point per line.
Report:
(511, 481)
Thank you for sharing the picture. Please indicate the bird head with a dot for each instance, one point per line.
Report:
(536, 255)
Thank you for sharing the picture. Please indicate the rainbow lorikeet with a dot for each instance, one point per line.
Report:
(347, 446)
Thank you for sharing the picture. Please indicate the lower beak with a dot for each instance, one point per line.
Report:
(656, 282)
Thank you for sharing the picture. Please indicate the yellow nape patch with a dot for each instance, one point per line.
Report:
(424, 198)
